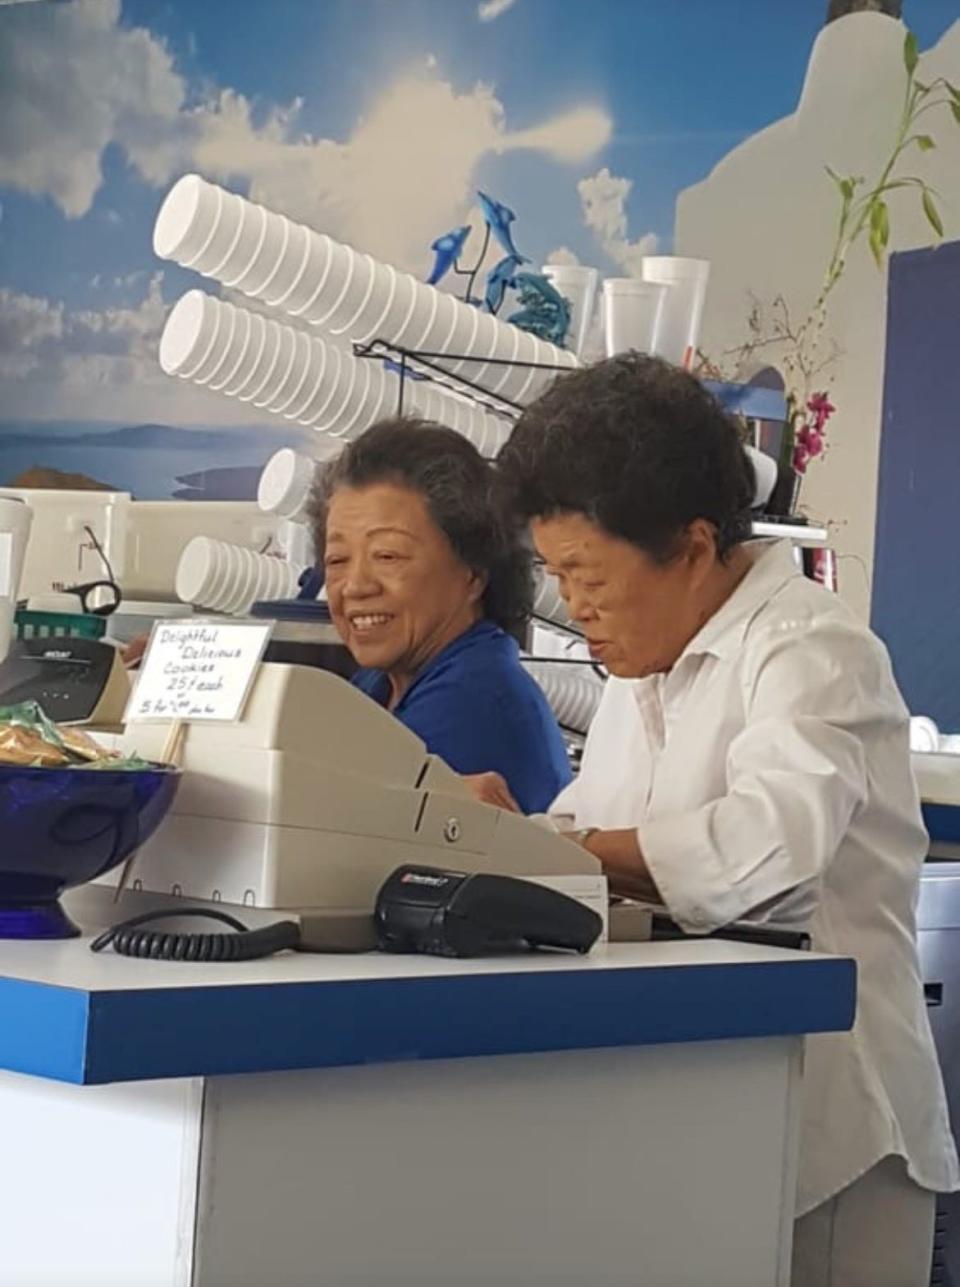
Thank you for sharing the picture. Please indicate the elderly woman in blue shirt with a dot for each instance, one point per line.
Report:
(425, 585)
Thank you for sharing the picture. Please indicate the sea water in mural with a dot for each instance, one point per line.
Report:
(151, 461)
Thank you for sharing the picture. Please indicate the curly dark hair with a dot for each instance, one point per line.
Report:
(457, 485)
(638, 446)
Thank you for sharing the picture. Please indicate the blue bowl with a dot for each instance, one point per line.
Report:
(63, 827)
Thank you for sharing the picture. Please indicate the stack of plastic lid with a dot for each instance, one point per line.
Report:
(228, 578)
(310, 276)
(301, 377)
(573, 692)
(548, 602)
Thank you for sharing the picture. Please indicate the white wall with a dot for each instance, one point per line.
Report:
(765, 218)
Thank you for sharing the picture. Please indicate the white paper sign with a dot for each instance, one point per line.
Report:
(197, 671)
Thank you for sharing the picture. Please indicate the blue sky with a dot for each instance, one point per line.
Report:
(106, 103)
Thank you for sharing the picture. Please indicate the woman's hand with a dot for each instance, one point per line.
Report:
(491, 788)
(132, 653)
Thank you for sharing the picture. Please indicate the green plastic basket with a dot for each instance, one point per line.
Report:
(59, 625)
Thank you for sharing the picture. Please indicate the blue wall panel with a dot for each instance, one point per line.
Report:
(916, 583)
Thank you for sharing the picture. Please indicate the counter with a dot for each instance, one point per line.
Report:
(625, 1118)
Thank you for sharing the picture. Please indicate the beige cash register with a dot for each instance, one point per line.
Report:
(316, 795)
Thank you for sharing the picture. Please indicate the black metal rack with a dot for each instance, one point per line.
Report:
(410, 362)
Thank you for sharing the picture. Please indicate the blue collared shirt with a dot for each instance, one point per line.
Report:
(476, 708)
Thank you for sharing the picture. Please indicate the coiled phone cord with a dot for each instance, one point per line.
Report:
(130, 939)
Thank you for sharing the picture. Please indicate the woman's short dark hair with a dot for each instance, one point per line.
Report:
(639, 447)
(457, 485)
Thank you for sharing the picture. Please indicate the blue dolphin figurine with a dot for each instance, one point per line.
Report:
(447, 250)
(499, 218)
(500, 277)
(544, 311)
(544, 288)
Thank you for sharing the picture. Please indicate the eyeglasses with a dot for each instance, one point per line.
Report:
(86, 592)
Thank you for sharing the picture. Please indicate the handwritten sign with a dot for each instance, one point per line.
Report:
(197, 671)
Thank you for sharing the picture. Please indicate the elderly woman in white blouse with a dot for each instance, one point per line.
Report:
(750, 759)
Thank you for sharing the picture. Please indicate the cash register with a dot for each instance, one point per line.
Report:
(316, 796)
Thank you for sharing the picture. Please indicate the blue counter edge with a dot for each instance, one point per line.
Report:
(98, 1037)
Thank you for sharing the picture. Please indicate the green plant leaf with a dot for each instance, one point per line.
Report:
(911, 53)
(955, 108)
(925, 143)
(846, 185)
(880, 219)
(910, 181)
(954, 92)
(932, 213)
(879, 230)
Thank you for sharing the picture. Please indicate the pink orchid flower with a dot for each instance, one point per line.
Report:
(821, 408)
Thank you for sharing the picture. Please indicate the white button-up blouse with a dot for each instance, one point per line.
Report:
(768, 777)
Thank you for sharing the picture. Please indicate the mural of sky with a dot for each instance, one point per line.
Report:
(374, 120)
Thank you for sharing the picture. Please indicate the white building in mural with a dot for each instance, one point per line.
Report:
(766, 217)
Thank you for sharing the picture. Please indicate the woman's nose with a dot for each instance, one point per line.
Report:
(578, 605)
(359, 581)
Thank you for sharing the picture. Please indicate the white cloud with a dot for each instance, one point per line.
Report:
(26, 322)
(126, 280)
(603, 198)
(572, 137)
(73, 81)
(98, 364)
(562, 255)
(487, 10)
(397, 159)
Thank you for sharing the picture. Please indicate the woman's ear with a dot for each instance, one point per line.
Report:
(477, 585)
(701, 547)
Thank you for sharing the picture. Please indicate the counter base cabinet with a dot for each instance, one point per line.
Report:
(660, 1166)
(938, 923)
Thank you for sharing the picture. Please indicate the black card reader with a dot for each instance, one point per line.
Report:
(447, 913)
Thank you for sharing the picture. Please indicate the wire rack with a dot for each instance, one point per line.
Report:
(411, 364)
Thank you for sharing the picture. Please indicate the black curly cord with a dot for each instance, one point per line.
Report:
(128, 939)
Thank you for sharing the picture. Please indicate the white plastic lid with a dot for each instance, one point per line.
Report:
(674, 268)
(195, 570)
(184, 330)
(765, 468)
(285, 483)
(631, 286)
(924, 735)
(573, 272)
(178, 214)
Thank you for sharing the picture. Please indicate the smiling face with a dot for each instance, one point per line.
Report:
(398, 593)
(638, 615)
